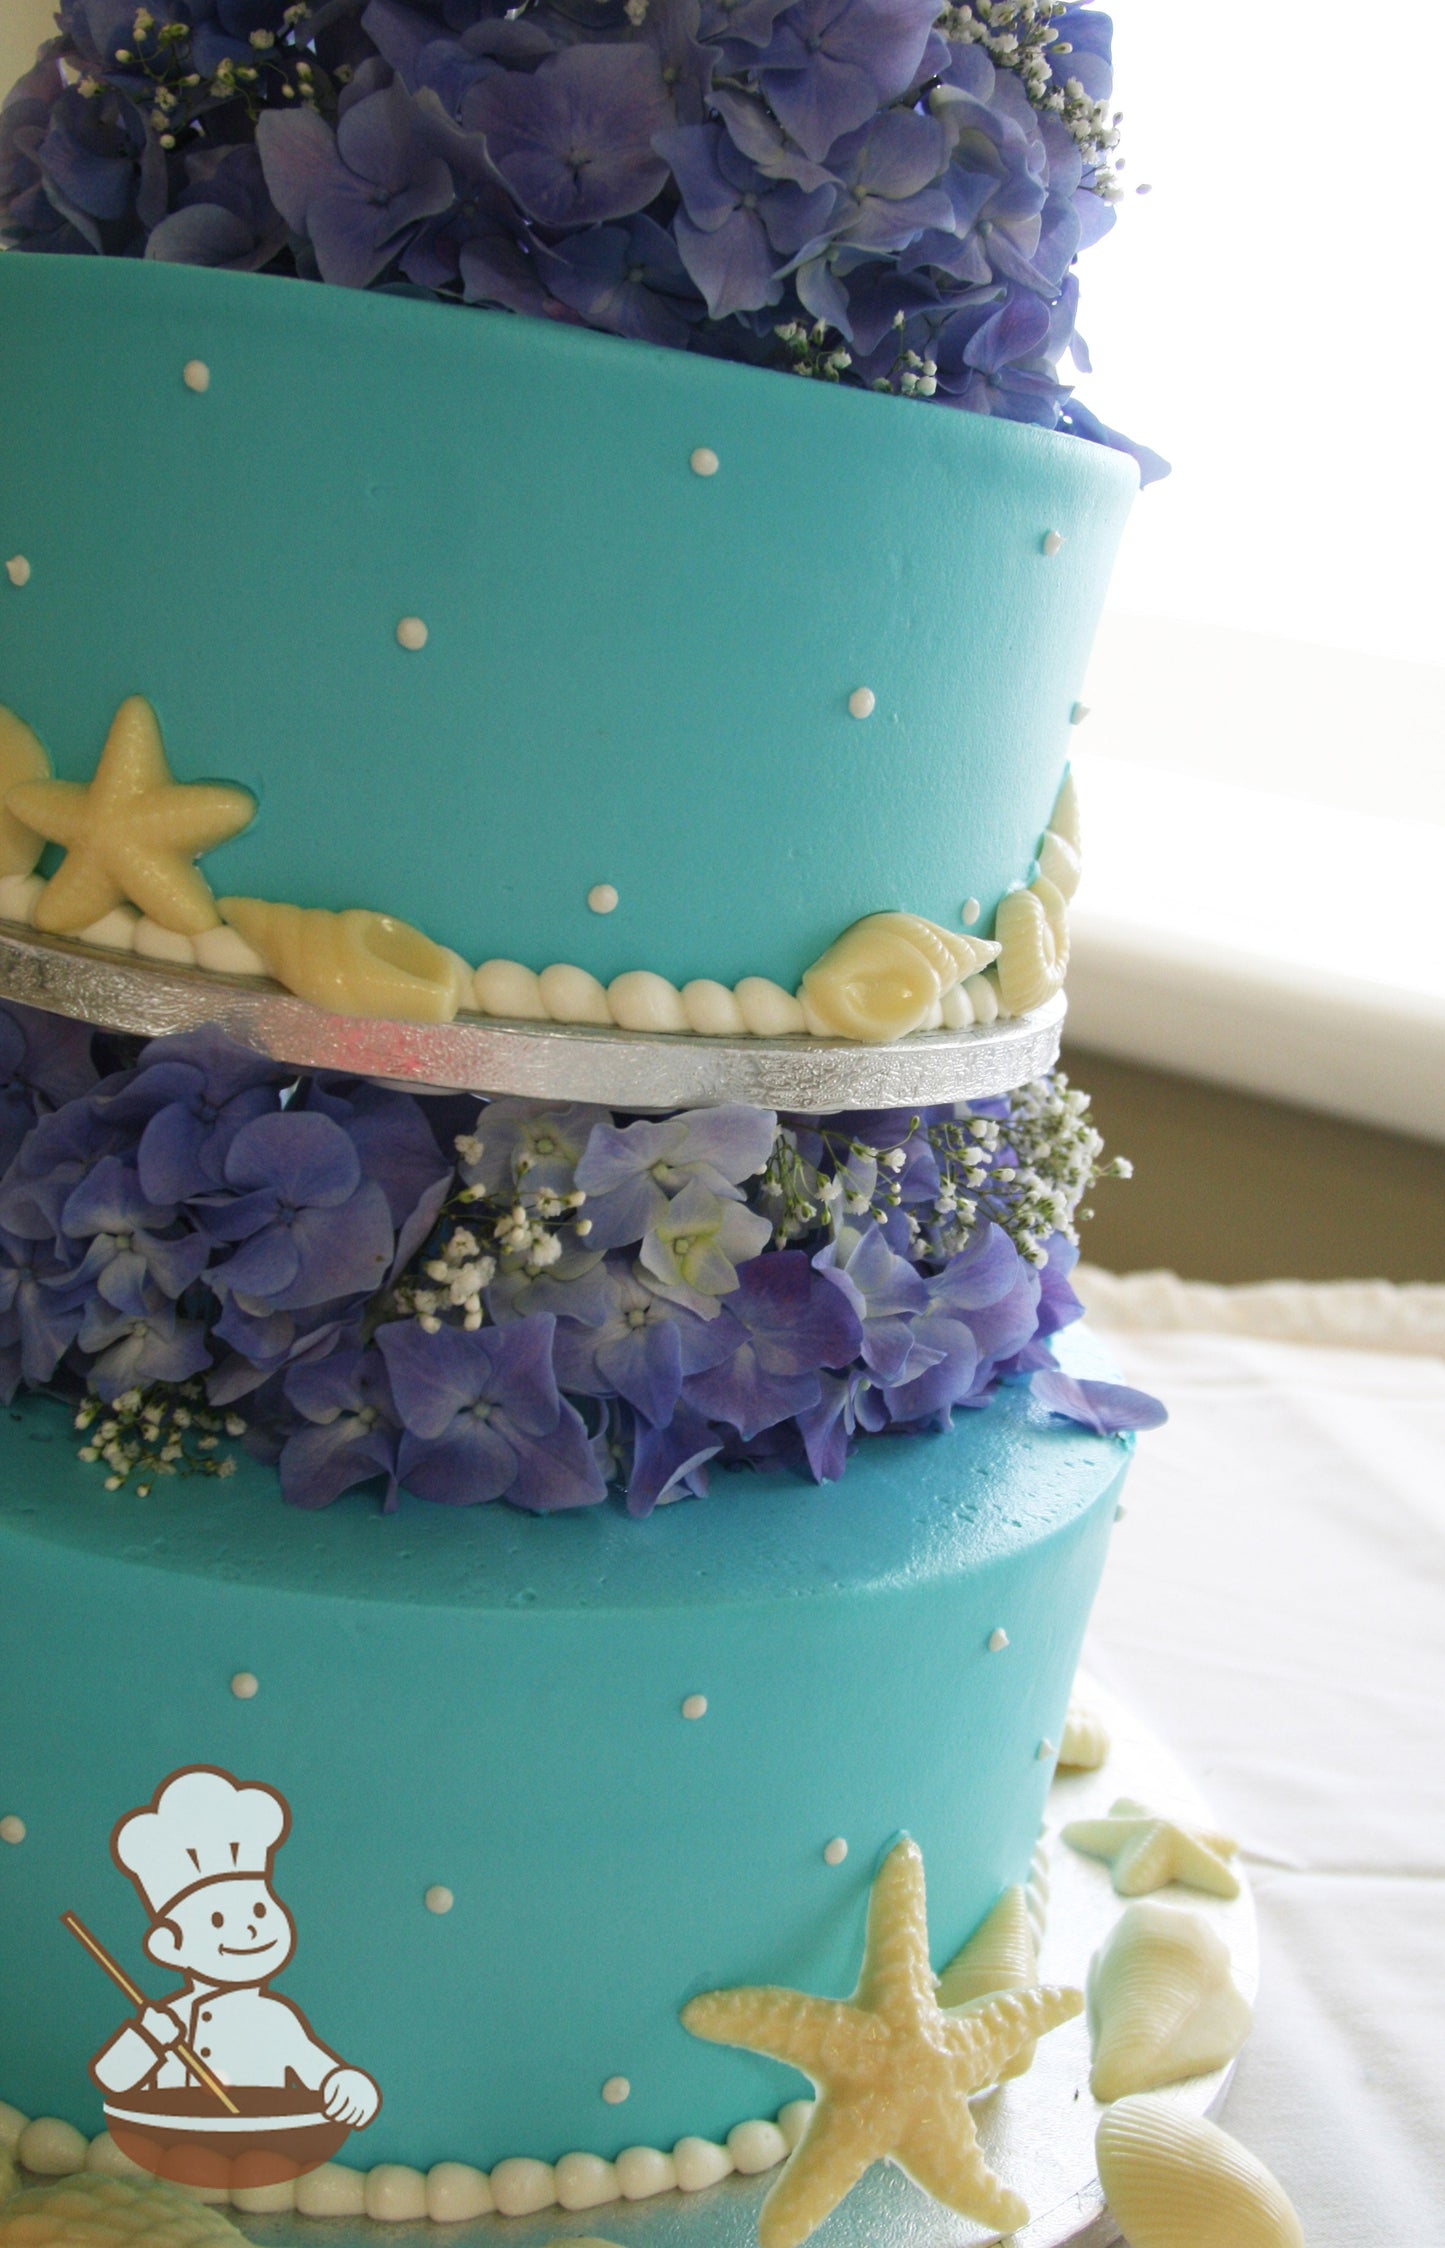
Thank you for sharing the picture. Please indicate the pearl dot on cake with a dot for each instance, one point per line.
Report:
(1078, 714)
(971, 911)
(835, 1852)
(245, 1685)
(997, 1641)
(17, 570)
(616, 2090)
(196, 376)
(602, 898)
(412, 634)
(862, 702)
(1046, 1750)
(1053, 540)
(695, 1706)
(438, 1899)
(703, 461)
(11, 1828)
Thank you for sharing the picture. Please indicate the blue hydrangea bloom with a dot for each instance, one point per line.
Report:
(788, 1323)
(630, 1176)
(310, 1229)
(350, 1433)
(484, 1419)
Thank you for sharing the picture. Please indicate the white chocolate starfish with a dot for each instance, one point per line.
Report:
(1146, 1851)
(893, 2070)
(131, 835)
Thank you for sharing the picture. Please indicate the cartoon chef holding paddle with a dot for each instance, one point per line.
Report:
(199, 1855)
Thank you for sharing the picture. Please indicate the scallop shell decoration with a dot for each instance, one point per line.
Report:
(887, 975)
(1162, 2002)
(1173, 2180)
(1085, 1743)
(353, 963)
(21, 759)
(999, 1955)
(99, 2212)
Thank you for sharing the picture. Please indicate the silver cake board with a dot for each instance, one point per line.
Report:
(1037, 2132)
(620, 1069)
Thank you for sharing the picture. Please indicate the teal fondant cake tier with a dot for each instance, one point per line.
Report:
(492, 1704)
(638, 591)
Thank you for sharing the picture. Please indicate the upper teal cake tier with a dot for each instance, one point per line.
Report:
(634, 674)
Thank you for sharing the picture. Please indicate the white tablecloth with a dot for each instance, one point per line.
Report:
(1275, 1607)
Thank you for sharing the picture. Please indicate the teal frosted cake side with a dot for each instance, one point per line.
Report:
(636, 677)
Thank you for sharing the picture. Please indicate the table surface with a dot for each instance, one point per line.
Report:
(1275, 1607)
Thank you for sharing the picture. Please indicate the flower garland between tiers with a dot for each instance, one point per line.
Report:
(515, 1300)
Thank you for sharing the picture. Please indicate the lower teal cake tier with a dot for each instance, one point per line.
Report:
(491, 1704)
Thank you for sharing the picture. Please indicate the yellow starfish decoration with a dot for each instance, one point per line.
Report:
(893, 2070)
(1146, 1851)
(130, 835)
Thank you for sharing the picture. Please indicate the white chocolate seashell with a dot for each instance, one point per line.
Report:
(767, 1010)
(353, 963)
(505, 987)
(22, 758)
(98, 2212)
(711, 1009)
(1174, 2180)
(1162, 2002)
(884, 975)
(1033, 928)
(225, 952)
(152, 942)
(642, 1001)
(1085, 1744)
(19, 895)
(1038, 1889)
(571, 995)
(1064, 818)
(1060, 862)
(999, 1955)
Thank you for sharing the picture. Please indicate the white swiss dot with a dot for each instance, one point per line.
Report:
(1046, 1750)
(997, 1641)
(438, 1899)
(412, 634)
(616, 2090)
(704, 461)
(835, 1852)
(11, 1828)
(971, 911)
(1053, 540)
(17, 570)
(695, 1706)
(196, 376)
(1078, 714)
(862, 702)
(602, 898)
(245, 1685)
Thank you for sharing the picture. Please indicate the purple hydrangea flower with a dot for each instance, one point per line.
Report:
(630, 1175)
(1108, 1408)
(310, 1230)
(640, 1349)
(528, 1143)
(186, 1100)
(887, 1294)
(352, 1432)
(573, 139)
(484, 1419)
(669, 1460)
(358, 194)
(224, 217)
(130, 1349)
(41, 1308)
(738, 228)
(133, 1247)
(789, 1323)
(629, 280)
(691, 1253)
(831, 64)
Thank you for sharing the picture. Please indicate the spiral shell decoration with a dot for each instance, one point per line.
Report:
(22, 758)
(1162, 2002)
(886, 975)
(99, 2212)
(1173, 2180)
(1085, 1743)
(999, 1955)
(1033, 932)
(353, 963)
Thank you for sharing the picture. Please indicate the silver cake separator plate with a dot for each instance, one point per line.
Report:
(1036, 2132)
(620, 1069)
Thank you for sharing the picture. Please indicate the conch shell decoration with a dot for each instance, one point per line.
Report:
(353, 963)
(887, 975)
(1173, 2180)
(999, 1955)
(1162, 2002)
(21, 759)
(1084, 1745)
(1032, 925)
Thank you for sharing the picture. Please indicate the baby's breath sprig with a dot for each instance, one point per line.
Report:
(1023, 36)
(810, 351)
(146, 1433)
(1055, 1152)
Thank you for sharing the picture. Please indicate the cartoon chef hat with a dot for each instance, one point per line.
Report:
(199, 1826)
